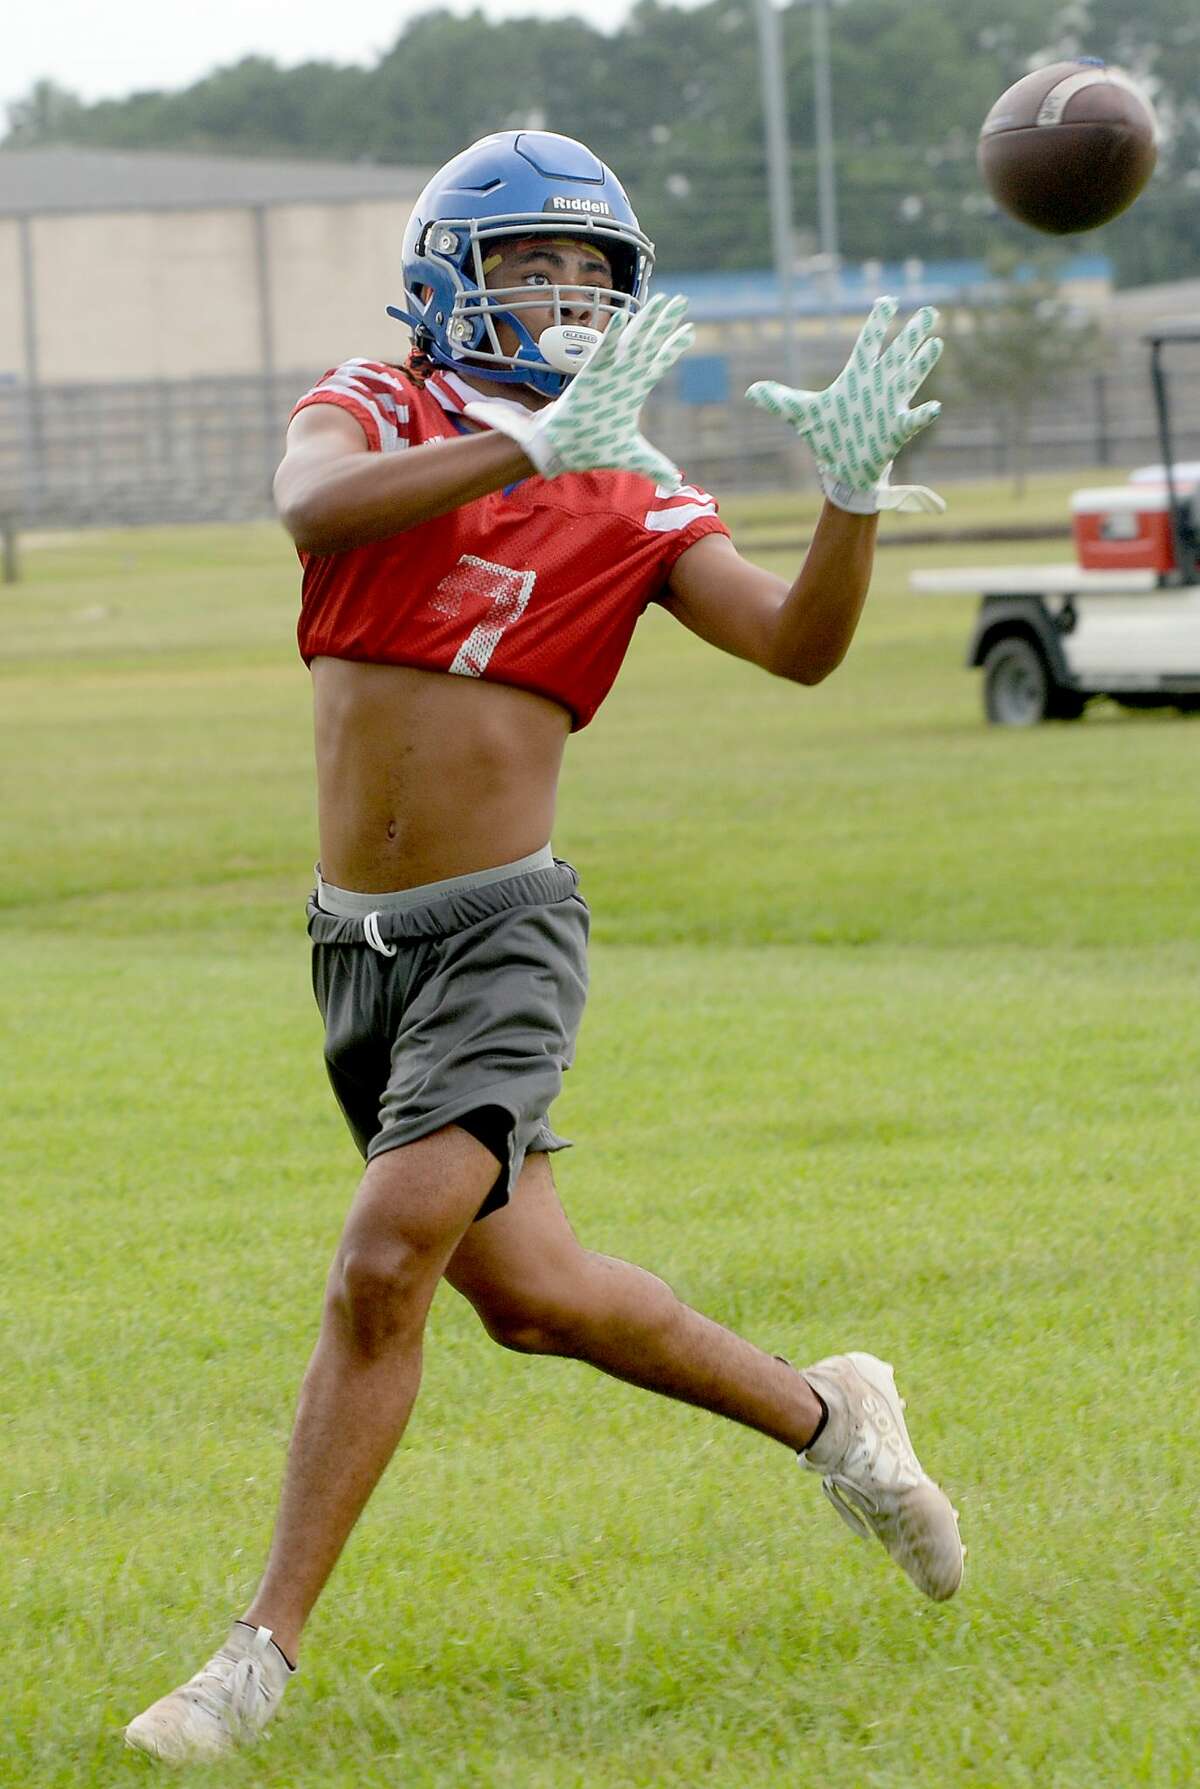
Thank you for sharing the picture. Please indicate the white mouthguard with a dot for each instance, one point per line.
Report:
(568, 346)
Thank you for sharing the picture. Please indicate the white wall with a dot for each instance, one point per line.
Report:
(145, 295)
(334, 269)
(174, 295)
(12, 327)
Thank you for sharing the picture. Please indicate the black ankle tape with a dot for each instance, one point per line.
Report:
(817, 1432)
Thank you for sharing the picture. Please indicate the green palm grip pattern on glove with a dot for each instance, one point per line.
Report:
(594, 424)
(858, 425)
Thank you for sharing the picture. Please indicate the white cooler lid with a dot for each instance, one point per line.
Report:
(1127, 497)
(1186, 472)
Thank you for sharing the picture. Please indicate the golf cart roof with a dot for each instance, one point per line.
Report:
(1175, 329)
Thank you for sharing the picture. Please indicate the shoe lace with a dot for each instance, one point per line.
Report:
(876, 1445)
(230, 1689)
(843, 1495)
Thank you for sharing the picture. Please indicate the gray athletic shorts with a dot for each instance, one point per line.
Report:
(472, 1021)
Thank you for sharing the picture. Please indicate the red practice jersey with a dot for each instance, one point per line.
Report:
(540, 585)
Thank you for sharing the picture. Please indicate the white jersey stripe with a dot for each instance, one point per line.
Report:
(387, 416)
(451, 392)
(667, 521)
(693, 491)
(374, 389)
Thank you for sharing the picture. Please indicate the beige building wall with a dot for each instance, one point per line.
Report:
(145, 295)
(156, 294)
(334, 270)
(177, 294)
(12, 319)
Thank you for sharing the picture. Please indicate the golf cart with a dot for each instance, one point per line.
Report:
(1124, 621)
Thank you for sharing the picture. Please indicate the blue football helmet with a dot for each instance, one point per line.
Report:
(516, 183)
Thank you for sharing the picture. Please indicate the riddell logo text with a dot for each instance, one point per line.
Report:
(600, 207)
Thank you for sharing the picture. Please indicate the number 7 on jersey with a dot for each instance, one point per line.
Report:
(506, 590)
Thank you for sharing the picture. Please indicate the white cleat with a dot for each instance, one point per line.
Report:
(226, 1705)
(873, 1478)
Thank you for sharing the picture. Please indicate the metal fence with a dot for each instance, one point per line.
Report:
(196, 450)
(1093, 419)
(188, 450)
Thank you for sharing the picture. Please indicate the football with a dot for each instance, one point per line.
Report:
(1068, 147)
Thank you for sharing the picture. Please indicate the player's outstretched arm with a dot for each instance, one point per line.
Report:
(332, 493)
(801, 632)
(855, 429)
(594, 425)
(858, 425)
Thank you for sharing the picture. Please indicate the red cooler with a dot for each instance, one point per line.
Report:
(1124, 528)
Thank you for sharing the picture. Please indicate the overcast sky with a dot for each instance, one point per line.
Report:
(102, 49)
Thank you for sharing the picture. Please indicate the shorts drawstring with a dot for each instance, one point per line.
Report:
(371, 933)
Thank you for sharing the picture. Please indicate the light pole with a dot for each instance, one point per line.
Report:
(827, 220)
(779, 174)
(779, 182)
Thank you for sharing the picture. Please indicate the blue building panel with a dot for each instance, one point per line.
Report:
(732, 297)
(704, 379)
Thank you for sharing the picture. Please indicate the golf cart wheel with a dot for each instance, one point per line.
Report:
(1017, 686)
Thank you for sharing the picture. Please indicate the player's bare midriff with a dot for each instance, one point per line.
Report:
(421, 775)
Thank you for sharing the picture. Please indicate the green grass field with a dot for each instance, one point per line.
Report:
(893, 1044)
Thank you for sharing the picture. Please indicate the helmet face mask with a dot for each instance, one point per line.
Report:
(477, 309)
(515, 184)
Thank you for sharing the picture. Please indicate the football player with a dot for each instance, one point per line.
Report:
(479, 531)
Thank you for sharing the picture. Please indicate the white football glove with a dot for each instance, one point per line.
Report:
(594, 424)
(859, 424)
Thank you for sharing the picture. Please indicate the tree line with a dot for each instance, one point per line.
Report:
(672, 101)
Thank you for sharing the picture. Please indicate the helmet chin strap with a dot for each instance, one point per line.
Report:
(414, 323)
(562, 347)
